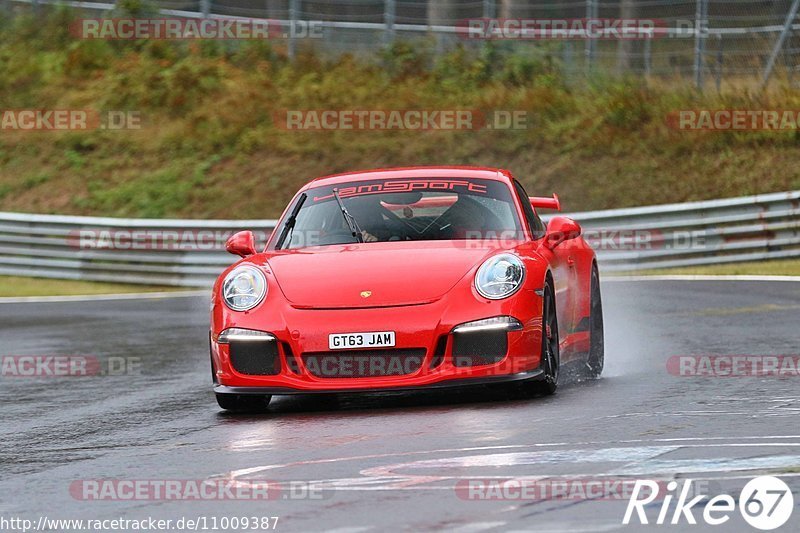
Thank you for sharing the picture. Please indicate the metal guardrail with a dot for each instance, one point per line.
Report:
(751, 228)
(191, 252)
(148, 251)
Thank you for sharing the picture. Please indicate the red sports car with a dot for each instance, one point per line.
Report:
(400, 279)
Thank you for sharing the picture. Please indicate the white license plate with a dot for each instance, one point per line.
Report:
(378, 339)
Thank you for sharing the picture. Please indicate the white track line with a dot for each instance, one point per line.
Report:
(104, 297)
(701, 278)
(475, 527)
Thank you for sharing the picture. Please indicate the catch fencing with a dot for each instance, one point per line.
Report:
(191, 252)
(705, 41)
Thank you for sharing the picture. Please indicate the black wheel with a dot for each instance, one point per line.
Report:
(596, 357)
(551, 360)
(244, 403)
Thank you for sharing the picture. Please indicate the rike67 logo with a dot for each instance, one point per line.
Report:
(765, 503)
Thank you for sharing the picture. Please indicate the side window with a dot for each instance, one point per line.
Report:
(538, 229)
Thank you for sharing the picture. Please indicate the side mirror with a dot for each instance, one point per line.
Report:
(544, 202)
(242, 244)
(561, 229)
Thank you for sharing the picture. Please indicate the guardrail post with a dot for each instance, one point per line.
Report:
(205, 8)
(389, 7)
(787, 29)
(700, 34)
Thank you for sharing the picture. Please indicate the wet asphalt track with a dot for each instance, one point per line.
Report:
(391, 462)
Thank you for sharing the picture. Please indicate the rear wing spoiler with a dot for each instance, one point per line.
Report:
(544, 202)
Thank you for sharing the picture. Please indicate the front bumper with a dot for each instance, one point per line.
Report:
(531, 375)
(426, 331)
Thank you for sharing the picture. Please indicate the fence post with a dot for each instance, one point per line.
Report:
(648, 56)
(442, 13)
(591, 13)
(294, 12)
(389, 7)
(205, 8)
(700, 34)
(489, 9)
(719, 61)
(625, 46)
(787, 28)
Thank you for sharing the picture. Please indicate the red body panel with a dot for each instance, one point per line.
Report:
(353, 268)
(420, 290)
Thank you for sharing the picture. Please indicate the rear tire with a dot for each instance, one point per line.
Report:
(596, 358)
(244, 403)
(551, 358)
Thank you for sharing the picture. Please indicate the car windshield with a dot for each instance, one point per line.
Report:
(402, 210)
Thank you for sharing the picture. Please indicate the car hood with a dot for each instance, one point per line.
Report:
(374, 274)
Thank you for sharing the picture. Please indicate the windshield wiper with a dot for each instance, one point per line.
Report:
(348, 218)
(289, 227)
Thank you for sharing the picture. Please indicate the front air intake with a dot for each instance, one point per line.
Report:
(255, 358)
(480, 347)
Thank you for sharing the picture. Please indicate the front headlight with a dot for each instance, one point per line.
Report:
(500, 276)
(244, 288)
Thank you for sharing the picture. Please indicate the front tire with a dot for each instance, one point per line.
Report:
(596, 358)
(244, 403)
(551, 358)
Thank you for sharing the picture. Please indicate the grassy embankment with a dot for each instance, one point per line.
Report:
(14, 287)
(209, 146)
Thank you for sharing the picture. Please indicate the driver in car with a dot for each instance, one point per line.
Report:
(368, 213)
(465, 219)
